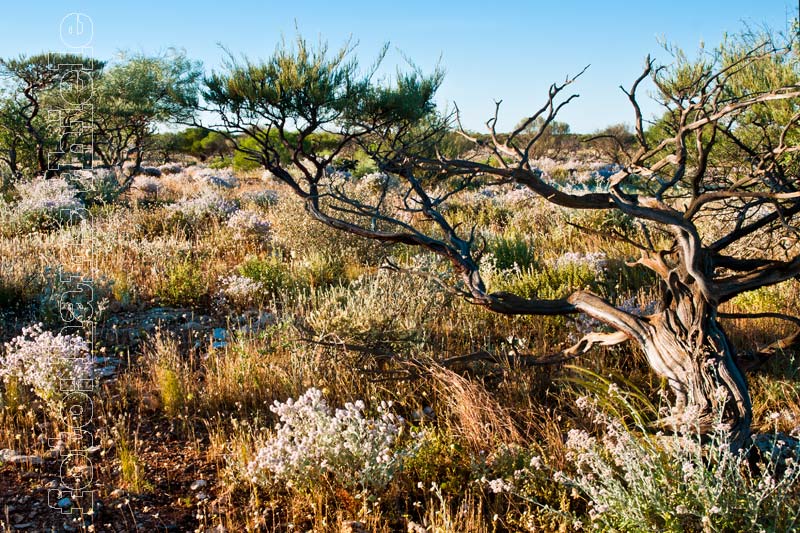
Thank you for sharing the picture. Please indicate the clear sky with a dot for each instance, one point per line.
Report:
(511, 50)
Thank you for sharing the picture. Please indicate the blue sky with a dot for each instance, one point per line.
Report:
(511, 52)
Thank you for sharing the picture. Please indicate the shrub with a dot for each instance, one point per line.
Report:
(313, 443)
(207, 206)
(242, 291)
(548, 281)
(148, 185)
(97, 186)
(510, 250)
(635, 481)
(320, 269)
(44, 362)
(295, 231)
(183, 283)
(47, 203)
(272, 274)
(70, 296)
(247, 224)
(378, 308)
(262, 199)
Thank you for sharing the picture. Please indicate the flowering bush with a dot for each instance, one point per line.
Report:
(596, 262)
(263, 199)
(314, 443)
(242, 291)
(635, 481)
(212, 177)
(99, 185)
(378, 181)
(246, 223)
(44, 361)
(44, 202)
(210, 204)
(147, 184)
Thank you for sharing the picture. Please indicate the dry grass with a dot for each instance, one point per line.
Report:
(472, 413)
(344, 326)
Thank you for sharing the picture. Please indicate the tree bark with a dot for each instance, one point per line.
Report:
(686, 346)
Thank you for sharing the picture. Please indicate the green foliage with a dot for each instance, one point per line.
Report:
(35, 85)
(304, 100)
(130, 464)
(201, 143)
(270, 271)
(441, 459)
(547, 282)
(754, 62)
(137, 93)
(510, 249)
(183, 284)
(484, 214)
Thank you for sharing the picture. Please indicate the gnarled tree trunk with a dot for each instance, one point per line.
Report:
(686, 345)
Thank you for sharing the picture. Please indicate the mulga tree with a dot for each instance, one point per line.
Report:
(726, 150)
(135, 95)
(39, 86)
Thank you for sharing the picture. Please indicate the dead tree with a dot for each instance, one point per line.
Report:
(723, 149)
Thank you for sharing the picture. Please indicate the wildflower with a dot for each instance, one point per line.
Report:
(241, 289)
(208, 205)
(53, 198)
(43, 361)
(499, 485)
(313, 441)
(596, 262)
(248, 223)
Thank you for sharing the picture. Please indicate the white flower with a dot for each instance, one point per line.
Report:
(595, 261)
(241, 289)
(246, 223)
(53, 197)
(313, 441)
(499, 485)
(210, 204)
(45, 362)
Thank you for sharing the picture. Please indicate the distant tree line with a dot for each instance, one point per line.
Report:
(63, 111)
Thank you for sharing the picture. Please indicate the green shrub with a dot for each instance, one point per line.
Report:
(510, 250)
(271, 272)
(548, 282)
(68, 296)
(183, 284)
